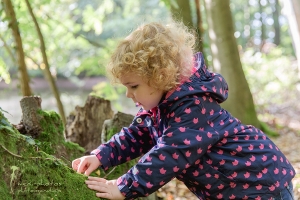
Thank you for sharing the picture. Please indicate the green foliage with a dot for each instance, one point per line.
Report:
(79, 35)
(95, 65)
(268, 75)
(271, 78)
(250, 20)
(4, 74)
(109, 92)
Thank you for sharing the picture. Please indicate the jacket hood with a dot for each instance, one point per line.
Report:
(202, 82)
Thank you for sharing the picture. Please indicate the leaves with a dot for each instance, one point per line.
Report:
(5, 122)
(4, 74)
(30, 140)
(13, 176)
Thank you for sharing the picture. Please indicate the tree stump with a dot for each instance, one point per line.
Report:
(84, 125)
(30, 118)
(114, 125)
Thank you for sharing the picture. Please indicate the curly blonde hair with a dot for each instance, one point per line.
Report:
(161, 54)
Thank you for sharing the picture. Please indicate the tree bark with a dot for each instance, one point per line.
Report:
(296, 37)
(263, 27)
(276, 12)
(10, 53)
(199, 27)
(114, 125)
(292, 12)
(182, 12)
(13, 24)
(47, 72)
(30, 118)
(226, 60)
(84, 125)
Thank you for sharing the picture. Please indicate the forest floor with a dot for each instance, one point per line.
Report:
(282, 118)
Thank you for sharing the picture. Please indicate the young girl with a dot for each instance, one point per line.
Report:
(181, 130)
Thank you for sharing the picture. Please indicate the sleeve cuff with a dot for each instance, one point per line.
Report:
(124, 189)
(101, 154)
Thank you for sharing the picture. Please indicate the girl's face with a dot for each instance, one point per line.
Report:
(140, 92)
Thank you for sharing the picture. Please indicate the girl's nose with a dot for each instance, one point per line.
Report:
(128, 94)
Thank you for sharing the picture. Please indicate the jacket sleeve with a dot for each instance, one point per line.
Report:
(128, 144)
(183, 142)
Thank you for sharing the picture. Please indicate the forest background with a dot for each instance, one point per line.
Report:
(58, 49)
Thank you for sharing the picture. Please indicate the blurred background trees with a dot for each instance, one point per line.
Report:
(253, 43)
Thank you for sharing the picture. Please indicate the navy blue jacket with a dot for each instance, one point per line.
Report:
(190, 137)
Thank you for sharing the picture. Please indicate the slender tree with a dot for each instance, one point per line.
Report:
(181, 11)
(8, 49)
(22, 68)
(226, 58)
(292, 12)
(276, 13)
(263, 27)
(296, 9)
(46, 71)
(199, 27)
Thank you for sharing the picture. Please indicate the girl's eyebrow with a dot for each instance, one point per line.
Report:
(128, 83)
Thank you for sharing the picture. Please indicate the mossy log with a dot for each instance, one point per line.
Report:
(37, 163)
(40, 168)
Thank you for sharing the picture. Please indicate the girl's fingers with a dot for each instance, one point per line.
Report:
(75, 164)
(88, 182)
(97, 188)
(97, 179)
(103, 195)
(81, 166)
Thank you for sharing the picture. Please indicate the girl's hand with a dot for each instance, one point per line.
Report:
(86, 164)
(105, 189)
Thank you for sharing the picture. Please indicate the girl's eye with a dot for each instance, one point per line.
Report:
(134, 86)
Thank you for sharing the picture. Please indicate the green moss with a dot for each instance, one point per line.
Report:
(266, 129)
(51, 139)
(30, 173)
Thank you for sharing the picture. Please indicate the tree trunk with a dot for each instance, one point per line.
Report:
(277, 30)
(47, 72)
(84, 125)
(8, 49)
(13, 24)
(246, 22)
(199, 28)
(295, 16)
(292, 12)
(263, 28)
(226, 59)
(181, 11)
